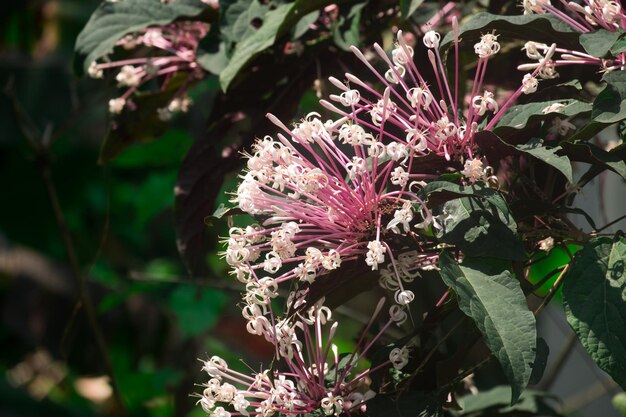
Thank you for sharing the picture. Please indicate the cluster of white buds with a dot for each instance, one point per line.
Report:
(310, 378)
(173, 61)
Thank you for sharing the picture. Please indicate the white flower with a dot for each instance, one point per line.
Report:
(332, 260)
(214, 366)
(416, 140)
(399, 357)
(241, 404)
(529, 84)
(354, 135)
(397, 314)
(400, 57)
(473, 169)
(431, 39)
(404, 297)
(487, 46)
(419, 97)
(220, 412)
(383, 109)
(397, 151)
(332, 405)
(554, 107)
(350, 97)
(356, 167)
(179, 105)
(94, 71)
(546, 244)
(534, 6)
(116, 105)
(402, 217)
(375, 255)
(532, 49)
(392, 74)
(399, 176)
(481, 104)
(129, 76)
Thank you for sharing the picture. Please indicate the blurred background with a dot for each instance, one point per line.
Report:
(156, 321)
(70, 226)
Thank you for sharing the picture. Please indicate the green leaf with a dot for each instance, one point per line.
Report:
(408, 7)
(262, 39)
(592, 154)
(439, 192)
(169, 150)
(537, 149)
(610, 105)
(346, 29)
(619, 46)
(594, 294)
(544, 28)
(112, 21)
(496, 149)
(496, 402)
(541, 360)
(481, 226)
(599, 42)
(305, 23)
(519, 117)
(196, 309)
(496, 303)
(275, 23)
(412, 404)
(212, 54)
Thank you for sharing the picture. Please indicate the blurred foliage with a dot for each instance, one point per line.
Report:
(131, 216)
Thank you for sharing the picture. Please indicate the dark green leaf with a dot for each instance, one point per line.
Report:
(541, 360)
(212, 54)
(610, 105)
(544, 27)
(598, 42)
(496, 402)
(303, 25)
(301, 8)
(197, 309)
(548, 155)
(481, 227)
(497, 305)
(592, 154)
(260, 40)
(112, 21)
(521, 116)
(619, 46)
(496, 149)
(439, 192)
(594, 293)
(413, 404)
(346, 30)
(408, 7)
(275, 23)
(169, 150)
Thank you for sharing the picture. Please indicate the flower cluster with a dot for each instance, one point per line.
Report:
(587, 17)
(329, 192)
(312, 374)
(172, 62)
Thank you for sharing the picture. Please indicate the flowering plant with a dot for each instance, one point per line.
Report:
(422, 178)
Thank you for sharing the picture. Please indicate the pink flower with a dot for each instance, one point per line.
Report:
(311, 375)
(174, 53)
